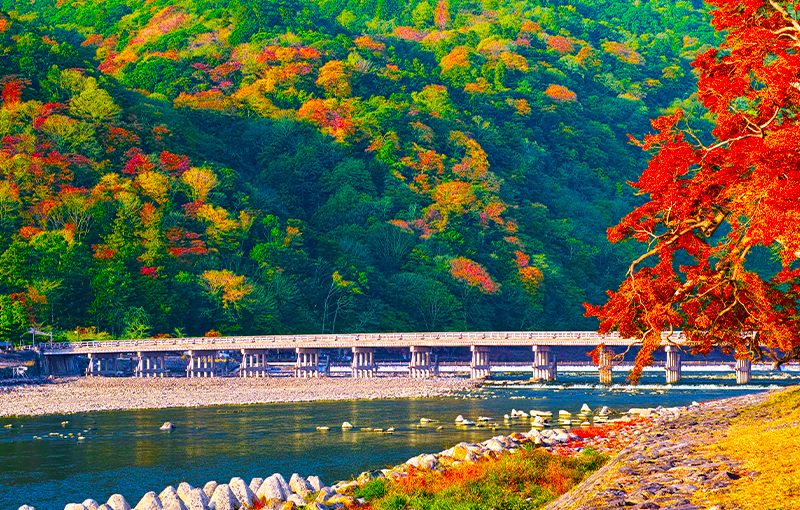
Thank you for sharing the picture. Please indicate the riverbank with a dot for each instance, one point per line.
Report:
(692, 462)
(85, 394)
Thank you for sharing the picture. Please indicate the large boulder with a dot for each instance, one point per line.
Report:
(287, 489)
(184, 489)
(170, 500)
(74, 506)
(196, 500)
(223, 499)
(149, 502)
(26, 507)
(315, 482)
(91, 504)
(242, 491)
(209, 488)
(117, 502)
(300, 486)
(271, 489)
(255, 484)
(104, 506)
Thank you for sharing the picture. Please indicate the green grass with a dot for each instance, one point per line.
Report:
(525, 480)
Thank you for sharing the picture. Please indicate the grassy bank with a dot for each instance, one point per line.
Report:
(527, 479)
(767, 439)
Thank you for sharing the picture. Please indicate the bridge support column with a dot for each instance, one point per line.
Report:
(420, 365)
(543, 368)
(605, 367)
(673, 366)
(151, 364)
(743, 370)
(480, 367)
(202, 364)
(254, 363)
(307, 362)
(363, 362)
(102, 363)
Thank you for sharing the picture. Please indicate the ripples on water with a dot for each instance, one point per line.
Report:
(125, 452)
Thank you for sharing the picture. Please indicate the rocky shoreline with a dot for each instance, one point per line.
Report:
(86, 394)
(665, 467)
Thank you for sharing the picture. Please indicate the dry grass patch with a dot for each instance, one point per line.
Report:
(767, 439)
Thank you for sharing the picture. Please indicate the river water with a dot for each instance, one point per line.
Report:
(125, 452)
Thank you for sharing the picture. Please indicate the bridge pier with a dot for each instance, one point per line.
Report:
(605, 366)
(102, 364)
(480, 367)
(420, 365)
(363, 362)
(307, 364)
(543, 368)
(673, 366)
(743, 367)
(254, 363)
(151, 364)
(202, 363)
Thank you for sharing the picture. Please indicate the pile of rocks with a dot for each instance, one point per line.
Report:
(275, 490)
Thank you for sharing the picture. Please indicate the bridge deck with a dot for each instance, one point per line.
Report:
(447, 339)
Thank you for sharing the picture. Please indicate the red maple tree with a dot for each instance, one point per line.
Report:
(717, 202)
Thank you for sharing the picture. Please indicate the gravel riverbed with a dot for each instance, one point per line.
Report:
(83, 394)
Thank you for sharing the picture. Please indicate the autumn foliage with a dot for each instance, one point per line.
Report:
(717, 203)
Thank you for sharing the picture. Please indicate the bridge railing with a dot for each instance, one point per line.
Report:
(220, 343)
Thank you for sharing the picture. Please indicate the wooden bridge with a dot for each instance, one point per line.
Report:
(203, 352)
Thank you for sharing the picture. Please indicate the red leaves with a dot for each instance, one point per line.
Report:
(12, 92)
(473, 274)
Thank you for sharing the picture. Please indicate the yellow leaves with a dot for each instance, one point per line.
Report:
(334, 77)
(480, 86)
(233, 287)
(514, 61)
(154, 185)
(341, 283)
(200, 182)
(220, 221)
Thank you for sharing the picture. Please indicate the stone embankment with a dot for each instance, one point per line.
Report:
(665, 467)
(84, 394)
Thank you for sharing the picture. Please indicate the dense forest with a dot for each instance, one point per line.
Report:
(330, 166)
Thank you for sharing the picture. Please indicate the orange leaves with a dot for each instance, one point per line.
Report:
(560, 93)
(458, 57)
(623, 52)
(474, 166)
(473, 275)
(561, 44)
(441, 16)
(366, 42)
(332, 116)
(521, 105)
(530, 276)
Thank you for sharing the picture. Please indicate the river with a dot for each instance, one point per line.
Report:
(125, 452)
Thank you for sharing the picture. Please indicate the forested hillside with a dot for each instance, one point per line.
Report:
(278, 166)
